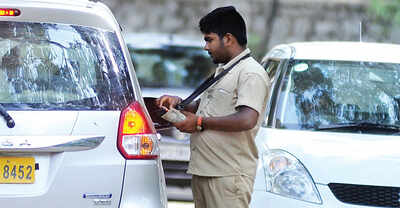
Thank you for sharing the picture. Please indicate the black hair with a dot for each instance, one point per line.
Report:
(225, 20)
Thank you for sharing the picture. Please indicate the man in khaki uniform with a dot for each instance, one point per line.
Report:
(227, 117)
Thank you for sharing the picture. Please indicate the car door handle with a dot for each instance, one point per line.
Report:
(49, 143)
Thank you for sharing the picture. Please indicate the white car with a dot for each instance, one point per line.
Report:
(74, 130)
(331, 133)
(170, 64)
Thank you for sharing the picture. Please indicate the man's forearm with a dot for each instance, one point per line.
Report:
(243, 120)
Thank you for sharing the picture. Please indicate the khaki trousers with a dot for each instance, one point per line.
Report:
(222, 192)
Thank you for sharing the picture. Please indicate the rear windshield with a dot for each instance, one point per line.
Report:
(171, 66)
(66, 67)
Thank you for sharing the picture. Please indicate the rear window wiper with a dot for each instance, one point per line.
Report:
(360, 126)
(7, 117)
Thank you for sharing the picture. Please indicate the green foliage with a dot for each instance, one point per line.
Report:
(253, 43)
(387, 11)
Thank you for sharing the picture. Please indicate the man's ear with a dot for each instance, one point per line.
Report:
(229, 39)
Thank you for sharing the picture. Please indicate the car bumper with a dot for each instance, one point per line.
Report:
(263, 199)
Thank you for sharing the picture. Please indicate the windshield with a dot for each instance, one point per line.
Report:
(317, 94)
(171, 66)
(53, 66)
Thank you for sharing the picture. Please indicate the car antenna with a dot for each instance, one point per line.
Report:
(360, 31)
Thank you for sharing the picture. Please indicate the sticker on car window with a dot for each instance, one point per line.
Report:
(300, 67)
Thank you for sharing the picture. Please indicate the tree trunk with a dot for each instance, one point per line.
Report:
(269, 24)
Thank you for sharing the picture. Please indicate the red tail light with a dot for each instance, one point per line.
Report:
(9, 12)
(136, 137)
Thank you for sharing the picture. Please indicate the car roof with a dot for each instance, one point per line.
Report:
(343, 51)
(76, 12)
(159, 40)
(69, 2)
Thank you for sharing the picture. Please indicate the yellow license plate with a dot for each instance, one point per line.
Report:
(17, 170)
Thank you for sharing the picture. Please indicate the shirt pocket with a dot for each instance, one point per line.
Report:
(221, 102)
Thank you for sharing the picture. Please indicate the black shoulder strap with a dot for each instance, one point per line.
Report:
(207, 83)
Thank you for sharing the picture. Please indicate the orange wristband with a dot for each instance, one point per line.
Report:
(199, 123)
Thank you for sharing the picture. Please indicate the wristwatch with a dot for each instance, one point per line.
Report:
(199, 126)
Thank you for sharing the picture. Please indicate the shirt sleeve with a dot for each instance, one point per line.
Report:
(252, 91)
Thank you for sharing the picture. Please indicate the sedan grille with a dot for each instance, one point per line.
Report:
(379, 196)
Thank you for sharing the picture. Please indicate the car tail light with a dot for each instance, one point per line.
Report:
(9, 12)
(137, 139)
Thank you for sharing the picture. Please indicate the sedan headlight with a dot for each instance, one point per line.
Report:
(287, 176)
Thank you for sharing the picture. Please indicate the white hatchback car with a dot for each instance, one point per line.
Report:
(74, 130)
(331, 133)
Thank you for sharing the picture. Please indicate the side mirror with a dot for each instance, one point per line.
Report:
(155, 114)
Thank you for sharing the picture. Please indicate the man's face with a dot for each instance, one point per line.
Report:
(216, 48)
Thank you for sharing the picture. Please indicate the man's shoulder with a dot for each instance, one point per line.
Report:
(250, 65)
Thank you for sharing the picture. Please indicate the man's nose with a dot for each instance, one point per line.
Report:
(206, 47)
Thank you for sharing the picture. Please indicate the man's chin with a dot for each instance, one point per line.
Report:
(216, 61)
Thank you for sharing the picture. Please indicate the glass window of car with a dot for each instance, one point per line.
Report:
(171, 66)
(319, 93)
(65, 67)
(271, 66)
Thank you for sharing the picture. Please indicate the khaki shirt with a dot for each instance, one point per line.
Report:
(222, 153)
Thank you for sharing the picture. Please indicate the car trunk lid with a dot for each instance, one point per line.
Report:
(71, 156)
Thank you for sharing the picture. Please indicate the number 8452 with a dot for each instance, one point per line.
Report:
(14, 172)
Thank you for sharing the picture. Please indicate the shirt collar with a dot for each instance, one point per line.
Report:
(222, 67)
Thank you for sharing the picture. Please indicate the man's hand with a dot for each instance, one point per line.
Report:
(189, 124)
(168, 101)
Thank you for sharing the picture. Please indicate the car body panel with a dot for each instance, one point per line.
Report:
(58, 170)
(353, 158)
(40, 123)
(83, 13)
(143, 182)
(328, 50)
(265, 199)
